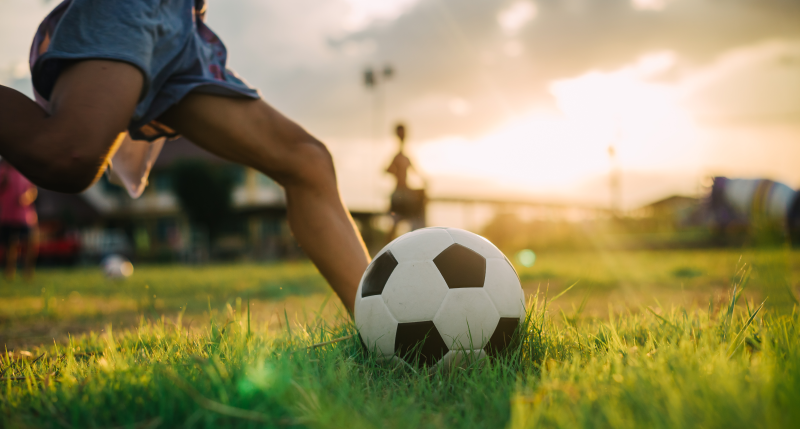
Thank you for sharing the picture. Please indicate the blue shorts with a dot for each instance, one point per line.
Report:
(166, 40)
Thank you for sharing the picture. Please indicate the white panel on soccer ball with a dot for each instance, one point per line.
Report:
(421, 245)
(358, 291)
(503, 287)
(462, 358)
(387, 247)
(475, 242)
(376, 324)
(415, 291)
(467, 318)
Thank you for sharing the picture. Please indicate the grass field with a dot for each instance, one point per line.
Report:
(645, 339)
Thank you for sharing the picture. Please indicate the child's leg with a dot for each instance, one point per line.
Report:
(11, 256)
(252, 133)
(32, 252)
(65, 151)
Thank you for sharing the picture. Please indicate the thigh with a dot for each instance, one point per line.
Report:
(245, 131)
(66, 146)
(95, 99)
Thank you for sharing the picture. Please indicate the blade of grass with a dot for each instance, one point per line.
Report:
(288, 327)
(737, 292)
(314, 346)
(661, 318)
(563, 292)
(742, 331)
(324, 303)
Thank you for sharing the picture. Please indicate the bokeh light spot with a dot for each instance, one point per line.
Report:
(526, 257)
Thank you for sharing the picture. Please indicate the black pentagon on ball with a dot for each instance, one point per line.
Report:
(461, 267)
(502, 336)
(419, 342)
(378, 274)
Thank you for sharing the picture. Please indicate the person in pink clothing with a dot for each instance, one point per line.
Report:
(18, 220)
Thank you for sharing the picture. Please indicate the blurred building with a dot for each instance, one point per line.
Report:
(674, 207)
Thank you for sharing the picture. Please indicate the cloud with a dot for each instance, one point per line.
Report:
(459, 106)
(751, 84)
(659, 126)
(363, 13)
(446, 48)
(515, 16)
(649, 4)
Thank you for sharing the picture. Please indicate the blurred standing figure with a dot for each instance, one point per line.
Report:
(18, 220)
(407, 204)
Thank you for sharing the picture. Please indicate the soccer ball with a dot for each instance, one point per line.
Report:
(439, 296)
(116, 267)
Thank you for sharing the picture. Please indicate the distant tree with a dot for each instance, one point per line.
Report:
(204, 193)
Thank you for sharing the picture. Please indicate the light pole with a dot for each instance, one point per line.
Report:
(375, 80)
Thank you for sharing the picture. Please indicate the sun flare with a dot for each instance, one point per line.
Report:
(557, 149)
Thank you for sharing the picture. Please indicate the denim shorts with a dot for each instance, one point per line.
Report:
(167, 40)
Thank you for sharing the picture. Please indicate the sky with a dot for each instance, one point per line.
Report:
(517, 98)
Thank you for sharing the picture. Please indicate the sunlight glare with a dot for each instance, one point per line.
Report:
(551, 151)
(515, 16)
(654, 5)
(364, 12)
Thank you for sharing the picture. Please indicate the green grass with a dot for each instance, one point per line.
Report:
(174, 285)
(687, 269)
(629, 279)
(725, 363)
(63, 301)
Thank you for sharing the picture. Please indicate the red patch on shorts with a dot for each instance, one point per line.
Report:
(215, 71)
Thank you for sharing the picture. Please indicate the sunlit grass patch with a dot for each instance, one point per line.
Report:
(60, 302)
(729, 366)
(699, 354)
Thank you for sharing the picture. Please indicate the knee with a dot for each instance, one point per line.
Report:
(70, 167)
(72, 176)
(73, 179)
(317, 161)
(308, 162)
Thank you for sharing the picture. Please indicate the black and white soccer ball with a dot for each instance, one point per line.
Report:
(436, 296)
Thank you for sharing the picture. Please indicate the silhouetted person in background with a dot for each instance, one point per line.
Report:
(407, 204)
(18, 220)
